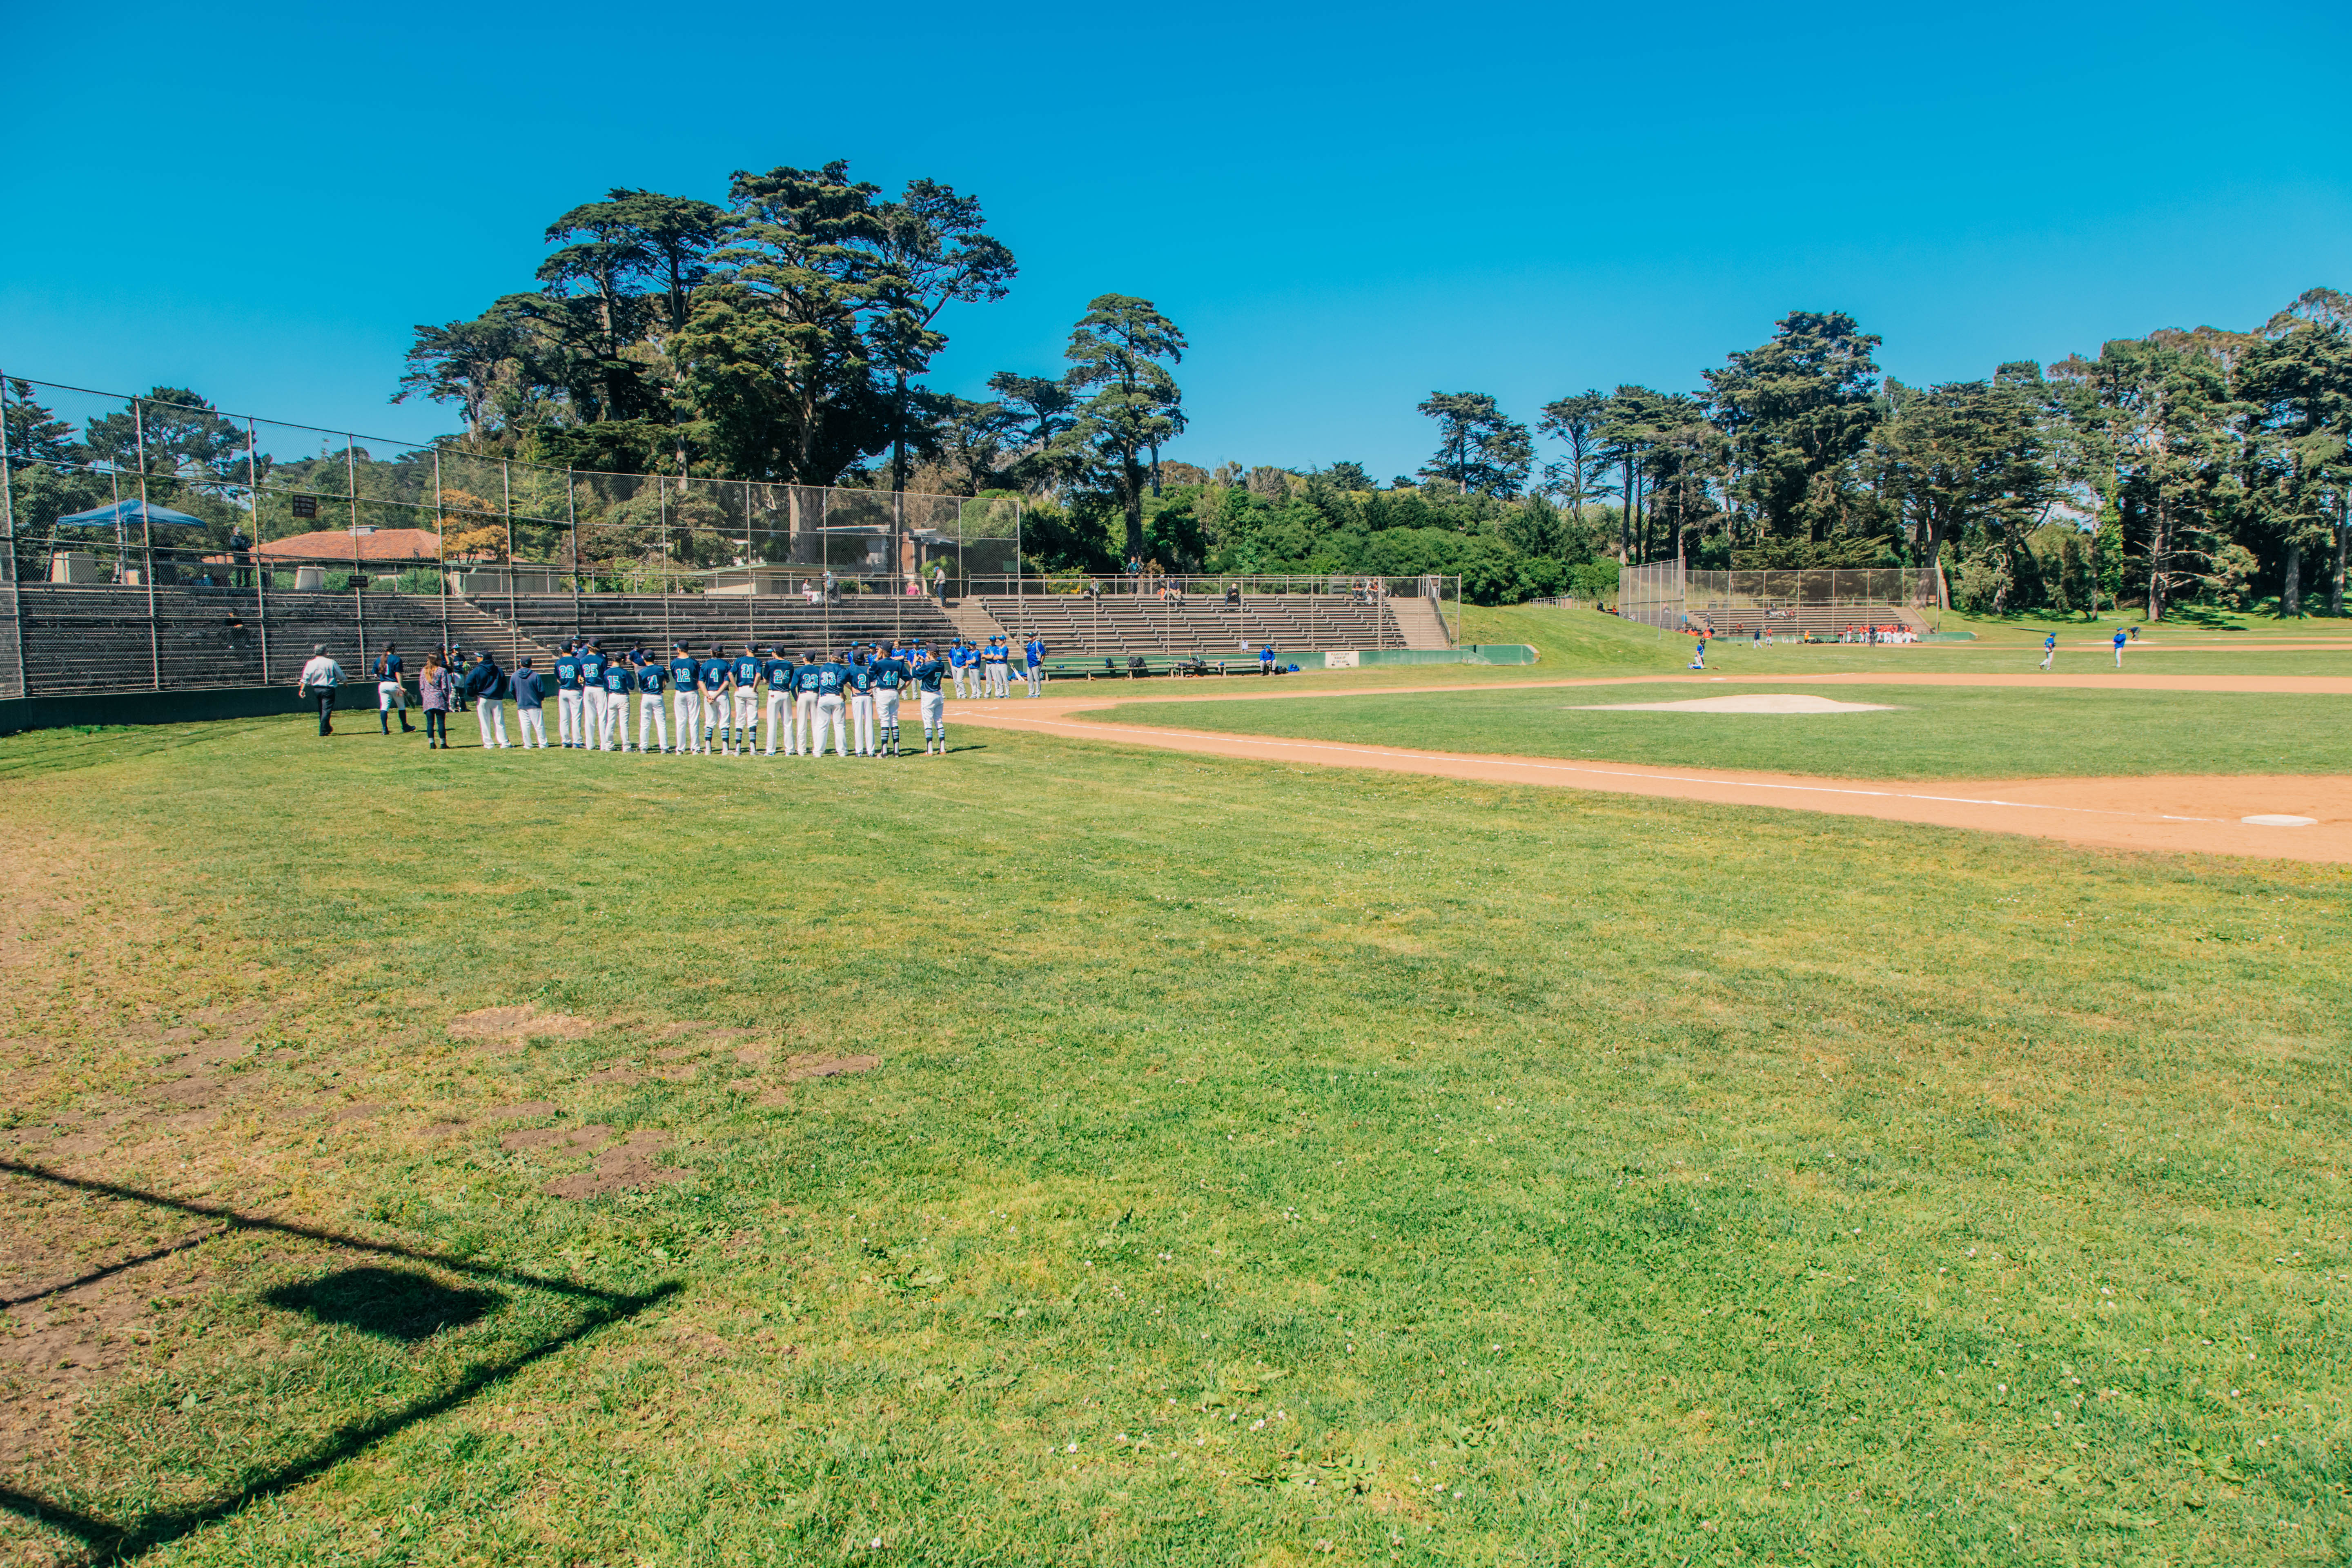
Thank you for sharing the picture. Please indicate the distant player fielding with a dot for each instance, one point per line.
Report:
(689, 706)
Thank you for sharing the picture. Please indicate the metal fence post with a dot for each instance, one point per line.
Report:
(8, 524)
(147, 541)
(514, 628)
(440, 551)
(571, 516)
(260, 569)
(359, 589)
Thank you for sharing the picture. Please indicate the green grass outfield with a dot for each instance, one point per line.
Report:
(1927, 732)
(1264, 1166)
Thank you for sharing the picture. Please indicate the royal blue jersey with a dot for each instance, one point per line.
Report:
(592, 668)
(618, 679)
(993, 654)
(747, 671)
(929, 673)
(683, 672)
(567, 673)
(713, 673)
(650, 678)
(1034, 652)
(891, 674)
(2119, 639)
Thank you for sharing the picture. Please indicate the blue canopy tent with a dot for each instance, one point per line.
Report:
(130, 514)
(127, 518)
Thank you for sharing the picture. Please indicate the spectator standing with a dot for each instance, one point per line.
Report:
(435, 689)
(486, 685)
(529, 705)
(389, 693)
(938, 582)
(322, 674)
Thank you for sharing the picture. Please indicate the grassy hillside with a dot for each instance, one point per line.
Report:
(1260, 1166)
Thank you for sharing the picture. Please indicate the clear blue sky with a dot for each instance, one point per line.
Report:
(1344, 207)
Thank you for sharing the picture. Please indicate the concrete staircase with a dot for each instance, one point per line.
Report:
(972, 621)
(1419, 621)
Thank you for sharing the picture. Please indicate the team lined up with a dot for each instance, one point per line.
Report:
(720, 701)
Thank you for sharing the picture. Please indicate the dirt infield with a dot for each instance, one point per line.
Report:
(2196, 814)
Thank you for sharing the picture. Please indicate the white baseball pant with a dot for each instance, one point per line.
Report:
(747, 715)
(885, 715)
(861, 722)
(828, 712)
(567, 716)
(1036, 679)
(935, 710)
(804, 723)
(534, 726)
(490, 713)
(1000, 680)
(592, 700)
(686, 708)
(649, 722)
(612, 732)
(779, 701)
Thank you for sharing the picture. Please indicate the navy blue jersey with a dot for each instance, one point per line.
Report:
(650, 678)
(747, 671)
(830, 678)
(617, 680)
(388, 667)
(567, 672)
(929, 673)
(890, 673)
(861, 677)
(713, 673)
(804, 678)
(592, 668)
(779, 672)
(683, 672)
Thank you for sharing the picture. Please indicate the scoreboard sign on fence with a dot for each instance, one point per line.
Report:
(306, 506)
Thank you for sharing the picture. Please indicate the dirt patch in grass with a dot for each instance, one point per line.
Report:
(594, 1134)
(618, 1073)
(512, 1026)
(627, 1166)
(521, 1111)
(801, 1068)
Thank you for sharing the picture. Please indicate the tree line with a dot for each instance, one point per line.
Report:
(2207, 466)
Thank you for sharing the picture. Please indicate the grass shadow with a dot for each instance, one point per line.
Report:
(403, 1305)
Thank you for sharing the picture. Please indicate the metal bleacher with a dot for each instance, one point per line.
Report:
(618, 621)
(1116, 623)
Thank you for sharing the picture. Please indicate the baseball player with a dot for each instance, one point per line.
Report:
(832, 683)
(685, 697)
(591, 694)
(567, 695)
(619, 682)
(777, 672)
(2049, 649)
(991, 669)
(804, 683)
(956, 667)
(1033, 662)
(861, 700)
(749, 666)
(889, 682)
(650, 674)
(713, 678)
(2119, 647)
(926, 673)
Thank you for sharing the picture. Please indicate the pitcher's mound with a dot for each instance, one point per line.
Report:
(1762, 702)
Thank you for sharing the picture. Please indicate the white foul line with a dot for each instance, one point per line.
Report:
(1598, 773)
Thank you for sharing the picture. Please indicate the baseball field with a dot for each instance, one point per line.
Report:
(1136, 1150)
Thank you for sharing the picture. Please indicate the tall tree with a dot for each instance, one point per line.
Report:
(934, 251)
(1045, 411)
(1133, 405)
(1626, 425)
(774, 358)
(1479, 447)
(2295, 385)
(1574, 422)
(1798, 410)
(472, 364)
(1970, 454)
